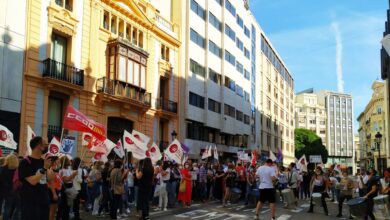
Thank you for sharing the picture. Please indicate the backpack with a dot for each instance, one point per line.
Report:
(16, 181)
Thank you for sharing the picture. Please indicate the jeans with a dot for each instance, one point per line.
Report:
(105, 199)
(11, 207)
(341, 201)
(63, 207)
(116, 201)
(144, 195)
(76, 206)
(171, 189)
(202, 190)
(131, 194)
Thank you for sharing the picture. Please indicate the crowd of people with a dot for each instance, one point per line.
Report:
(57, 188)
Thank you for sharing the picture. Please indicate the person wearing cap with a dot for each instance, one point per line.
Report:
(267, 175)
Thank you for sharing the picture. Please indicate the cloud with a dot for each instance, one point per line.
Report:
(339, 56)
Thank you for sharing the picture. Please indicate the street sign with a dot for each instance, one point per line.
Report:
(315, 159)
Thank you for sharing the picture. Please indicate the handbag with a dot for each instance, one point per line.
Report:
(182, 187)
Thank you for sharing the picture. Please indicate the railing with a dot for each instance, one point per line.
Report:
(63, 72)
(166, 105)
(118, 88)
(53, 131)
(165, 23)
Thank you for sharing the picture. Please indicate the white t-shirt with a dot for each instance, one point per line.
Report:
(78, 179)
(266, 173)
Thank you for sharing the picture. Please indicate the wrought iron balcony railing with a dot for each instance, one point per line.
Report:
(166, 105)
(60, 71)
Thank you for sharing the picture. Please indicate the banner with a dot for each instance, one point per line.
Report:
(154, 153)
(30, 135)
(142, 138)
(7, 138)
(118, 149)
(175, 152)
(68, 142)
(216, 153)
(54, 147)
(134, 145)
(302, 164)
(206, 152)
(103, 147)
(272, 156)
(99, 157)
(315, 159)
(75, 120)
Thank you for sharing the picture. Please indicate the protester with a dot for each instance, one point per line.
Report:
(94, 181)
(241, 173)
(105, 193)
(117, 178)
(319, 184)
(67, 193)
(268, 175)
(251, 182)
(145, 176)
(54, 187)
(372, 191)
(186, 180)
(162, 179)
(218, 182)
(174, 179)
(77, 181)
(34, 190)
(210, 181)
(346, 186)
(7, 188)
(293, 181)
(230, 178)
(305, 186)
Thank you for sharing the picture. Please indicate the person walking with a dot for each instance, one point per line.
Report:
(33, 176)
(372, 191)
(117, 178)
(267, 175)
(319, 185)
(186, 178)
(293, 181)
(346, 190)
(8, 190)
(145, 175)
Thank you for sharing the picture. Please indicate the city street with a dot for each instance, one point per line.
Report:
(215, 211)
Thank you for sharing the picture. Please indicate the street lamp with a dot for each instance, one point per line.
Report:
(174, 135)
(378, 139)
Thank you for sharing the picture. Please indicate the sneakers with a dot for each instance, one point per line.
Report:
(256, 217)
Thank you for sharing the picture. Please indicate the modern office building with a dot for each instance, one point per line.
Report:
(309, 114)
(339, 134)
(115, 61)
(371, 121)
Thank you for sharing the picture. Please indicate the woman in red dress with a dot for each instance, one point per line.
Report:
(186, 176)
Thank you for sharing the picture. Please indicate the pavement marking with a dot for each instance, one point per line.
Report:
(305, 205)
(284, 217)
(265, 211)
(296, 210)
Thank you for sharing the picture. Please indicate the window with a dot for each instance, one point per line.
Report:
(268, 86)
(246, 53)
(195, 7)
(240, 91)
(229, 83)
(239, 67)
(219, 2)
(240, 22)
(196, 100)
(230, 7)
(106, 22)
(230, 33)
(197, 38)
(276, 93)
(67, 4)
(164, 52)
(269, 104)
(246, 119)
(246, 96)
(59, 52)
(215, 49)
(247, 32)
(229, 110)
(246, 74)
(197, 68)
(313, 121)
(239, 44)
(239, 116)
(276, 109)
(214, 106)
(214, 76)
(230, 58)
(215, 22)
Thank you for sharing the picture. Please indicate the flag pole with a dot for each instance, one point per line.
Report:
(62, 134)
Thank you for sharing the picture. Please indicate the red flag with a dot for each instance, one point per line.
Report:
(75, 120)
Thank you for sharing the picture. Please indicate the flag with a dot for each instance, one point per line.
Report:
(280, 155)
(142, 138)
(99, 147)
(54, 147)
(215, 152)
(30, 135)
(118, 149)
(254, 158)
(302, 163)
(175, 152)
(7, 138)
(154, 153)
(185, 148)
(99, 157)
(206, 153)
(134, 145)
(272, 156)
(75, 120)
(87, 140)
(337, 168)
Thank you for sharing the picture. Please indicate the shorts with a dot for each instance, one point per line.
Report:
(267, 195)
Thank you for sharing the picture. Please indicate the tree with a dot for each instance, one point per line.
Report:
(309, 143)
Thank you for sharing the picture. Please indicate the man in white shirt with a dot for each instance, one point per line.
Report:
(267, 175)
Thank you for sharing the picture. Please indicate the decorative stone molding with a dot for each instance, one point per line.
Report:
(62, 20)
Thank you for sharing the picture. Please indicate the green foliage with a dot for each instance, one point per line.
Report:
(309, 143)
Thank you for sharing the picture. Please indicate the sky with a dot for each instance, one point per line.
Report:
(331, 44)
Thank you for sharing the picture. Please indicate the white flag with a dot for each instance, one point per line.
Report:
(99, 157)
(206, 152)
(119, 149)
(142, 138)
(302, 163)
(7, 138)
(272, 156)
(215, 153)
(54, 147)
(30, 135)
(175, 152)
(154, 153)
(87, 140)
(134, 145)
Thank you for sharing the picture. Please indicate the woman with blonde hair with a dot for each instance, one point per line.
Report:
(8, 189)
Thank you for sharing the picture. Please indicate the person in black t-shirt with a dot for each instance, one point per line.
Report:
(145, 175)
(372, 191)
(33, 173)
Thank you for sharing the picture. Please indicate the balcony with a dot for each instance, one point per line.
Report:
(165, 106)
(124, 92)
(53, 131)
(165, 69)
(60, 71)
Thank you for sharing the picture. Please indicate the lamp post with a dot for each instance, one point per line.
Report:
(378, 139)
